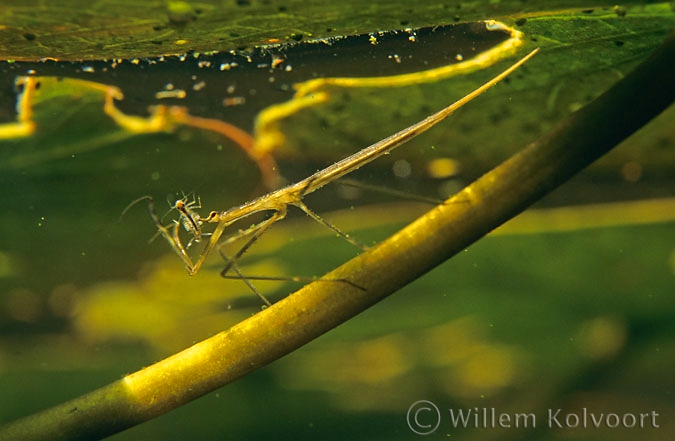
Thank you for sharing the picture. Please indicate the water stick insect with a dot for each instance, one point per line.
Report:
(276, 202)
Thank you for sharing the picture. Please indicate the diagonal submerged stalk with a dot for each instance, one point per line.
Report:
(313, 310)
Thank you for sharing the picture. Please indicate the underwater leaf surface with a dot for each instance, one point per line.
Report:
(76, 29)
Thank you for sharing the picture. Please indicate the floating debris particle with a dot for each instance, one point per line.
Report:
(276, 60)
(177, 93)
(228, 66)
(232, 101)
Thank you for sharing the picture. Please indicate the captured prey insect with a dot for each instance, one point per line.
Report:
(276, 202)
(188, 217)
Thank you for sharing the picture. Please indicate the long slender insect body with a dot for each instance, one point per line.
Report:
(277, 202)
(295, 192)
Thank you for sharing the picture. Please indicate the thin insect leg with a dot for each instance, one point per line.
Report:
(388, 191)
(176, 244)
(256, 231)
(294, 279)
(233, 266)
(136, 201)
(231, 262)
(213, 241)
(301, 205)
(195, 203)
(250, 285)
(151, 210)
(172, 206)
(161, 229)
(217, 233)
(171, 236)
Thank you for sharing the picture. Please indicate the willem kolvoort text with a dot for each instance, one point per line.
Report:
(555, 418)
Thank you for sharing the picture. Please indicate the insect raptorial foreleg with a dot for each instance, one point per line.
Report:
(170, 234)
